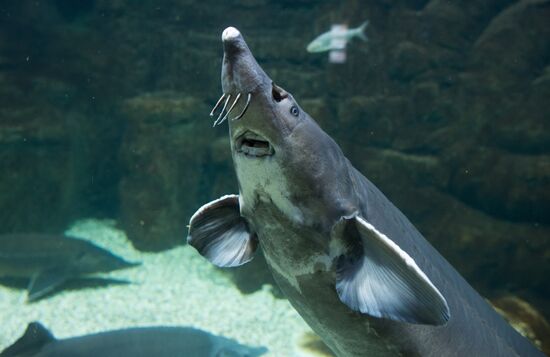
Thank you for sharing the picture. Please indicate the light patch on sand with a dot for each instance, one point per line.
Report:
(177, 287)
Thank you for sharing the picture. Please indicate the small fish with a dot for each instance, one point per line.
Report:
(48, 261)
(336, 38)
(158, 341)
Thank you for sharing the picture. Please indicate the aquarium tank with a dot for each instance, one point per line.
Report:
(274, 178)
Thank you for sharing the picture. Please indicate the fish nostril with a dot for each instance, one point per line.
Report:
(278, 93)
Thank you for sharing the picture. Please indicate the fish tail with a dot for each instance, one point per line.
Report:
(361, 31)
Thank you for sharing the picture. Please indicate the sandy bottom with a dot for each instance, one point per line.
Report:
(177, 287)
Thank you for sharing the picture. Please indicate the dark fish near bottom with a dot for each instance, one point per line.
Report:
(48, 261)
(163, 341)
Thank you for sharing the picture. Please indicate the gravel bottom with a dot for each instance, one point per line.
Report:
(177, 287)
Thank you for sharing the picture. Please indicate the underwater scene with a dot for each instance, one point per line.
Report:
(274, 178)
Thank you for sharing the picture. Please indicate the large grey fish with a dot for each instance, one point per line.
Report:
(348, 260)
(160, 341)
(48, 261)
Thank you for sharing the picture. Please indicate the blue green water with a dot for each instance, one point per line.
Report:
(104, 115)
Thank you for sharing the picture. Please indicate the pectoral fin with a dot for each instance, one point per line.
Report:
(220, 234)
(45, 282)
(376, 277)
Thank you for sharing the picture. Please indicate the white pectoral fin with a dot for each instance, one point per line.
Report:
(376, 277)
(220, 234)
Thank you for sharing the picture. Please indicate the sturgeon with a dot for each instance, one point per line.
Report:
(48, 261)
(154, 341)
(354, 267)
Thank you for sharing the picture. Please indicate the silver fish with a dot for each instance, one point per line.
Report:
(336, 39)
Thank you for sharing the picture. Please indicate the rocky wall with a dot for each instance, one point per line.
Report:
(104, 112)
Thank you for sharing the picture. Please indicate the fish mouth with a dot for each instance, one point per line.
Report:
(251, 144)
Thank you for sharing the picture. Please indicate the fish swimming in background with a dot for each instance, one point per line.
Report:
(158, 341)
(352, 265)
(48, 261)
(336, 38)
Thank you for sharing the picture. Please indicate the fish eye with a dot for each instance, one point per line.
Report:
(294, 110)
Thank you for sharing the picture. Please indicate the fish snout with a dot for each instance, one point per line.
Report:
(232, 41)
(126, 264)
(241, 77)
(240, 70)
(115, 262)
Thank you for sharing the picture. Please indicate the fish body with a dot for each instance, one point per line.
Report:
(160, 341)
(336, 39)
(354, 267)
(48, 261)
